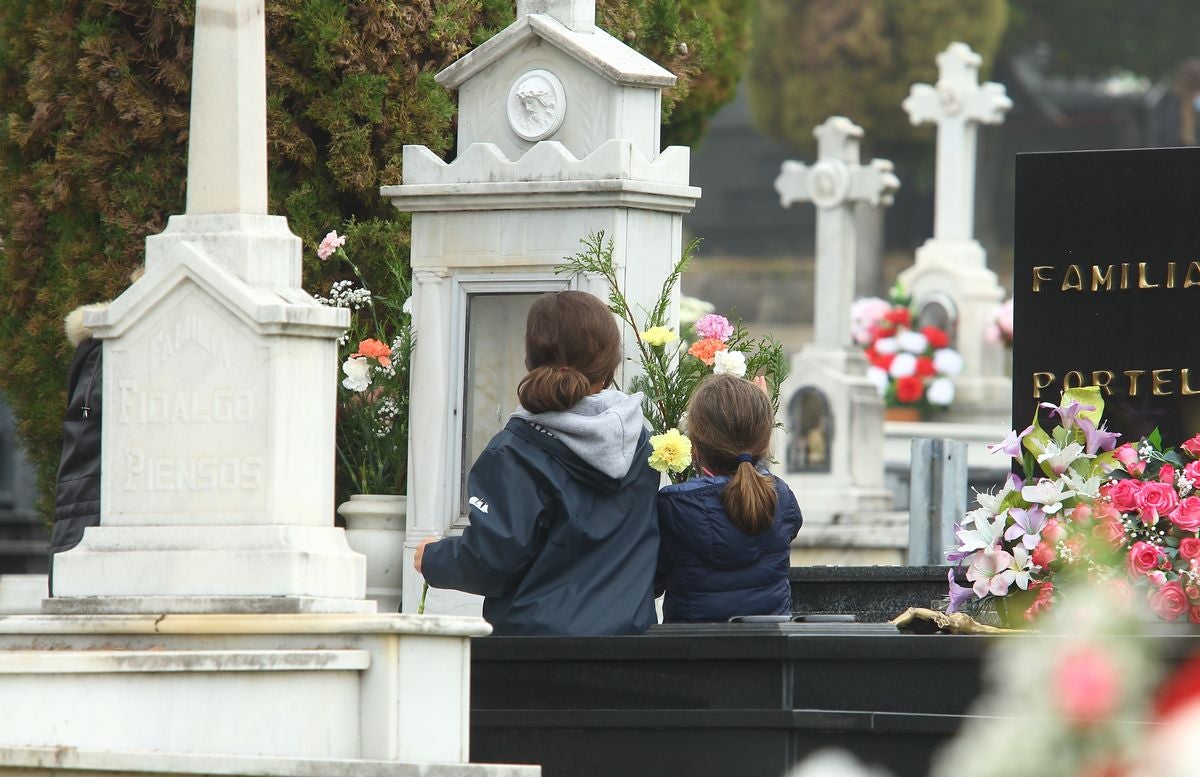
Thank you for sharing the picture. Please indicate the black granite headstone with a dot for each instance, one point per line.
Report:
(1107, 285)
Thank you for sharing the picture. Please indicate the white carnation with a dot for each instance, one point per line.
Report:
(940, 392)
(879, 378)
(903, 365)
(886, 345)
(729, 363)
(913, 342)
(407, 307)
(947, 361)
(358, 373)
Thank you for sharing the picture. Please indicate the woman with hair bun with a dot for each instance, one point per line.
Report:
(726, 535)
(563, 535)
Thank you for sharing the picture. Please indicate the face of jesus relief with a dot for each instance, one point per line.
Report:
(538, 101)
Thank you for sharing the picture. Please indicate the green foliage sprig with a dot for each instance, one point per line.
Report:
(669, 370)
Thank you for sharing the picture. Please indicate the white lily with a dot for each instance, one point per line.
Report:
(985, 534)
(1048, 493)
(1060, 459)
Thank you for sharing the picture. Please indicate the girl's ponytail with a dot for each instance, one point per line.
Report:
(730, 422)
(552, 388)
(750, 498)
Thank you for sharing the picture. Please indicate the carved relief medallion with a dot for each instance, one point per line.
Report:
(536, 105)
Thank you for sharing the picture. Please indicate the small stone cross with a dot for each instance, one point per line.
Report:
(227, 141)
(958, 103)
(578, 15)
(835, 184)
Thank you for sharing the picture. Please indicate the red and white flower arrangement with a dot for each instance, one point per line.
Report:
(909, 367)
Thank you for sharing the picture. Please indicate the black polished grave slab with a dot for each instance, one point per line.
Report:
(729, 700)
(874, 594)
(719, 700)
(1107, 284)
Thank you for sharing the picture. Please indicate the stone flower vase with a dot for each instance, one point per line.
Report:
(375, 528)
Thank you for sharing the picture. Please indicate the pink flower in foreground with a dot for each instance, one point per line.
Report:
(329, 244)
(1189, 547)
(1124, 494)
(714, 327)
(1192, 446)
(1087, 685)
(1155, 501)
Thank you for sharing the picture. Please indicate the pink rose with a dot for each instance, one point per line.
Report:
(1194, 613)
(1189, 547)
(1156, 501)
(1128, 456)
(1193, 592)
(1167, 475)
(1109, 531)
(1187, 515)
(1192, 446)
(1043, 554)
(1124, 494)
(1106, 511)
(1122, 592)
(1053, 531)
(1143, 557)
(1080, 513)
(1191, 471)
(1169, 602)
(1157, 578)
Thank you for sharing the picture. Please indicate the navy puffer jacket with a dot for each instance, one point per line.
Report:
(710, 569)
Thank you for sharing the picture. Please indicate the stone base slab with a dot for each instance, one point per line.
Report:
(116, 605)
(60, 762)
(189, 568)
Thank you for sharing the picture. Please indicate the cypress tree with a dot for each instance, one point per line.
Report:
(94, 96)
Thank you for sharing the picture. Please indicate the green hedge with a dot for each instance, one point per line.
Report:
(93, 140)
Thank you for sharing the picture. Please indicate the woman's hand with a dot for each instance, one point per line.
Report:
(420, 556)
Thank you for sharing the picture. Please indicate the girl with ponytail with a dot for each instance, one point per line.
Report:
(726, 535)
(563, 535)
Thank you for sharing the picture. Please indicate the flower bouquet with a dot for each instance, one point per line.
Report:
(671, 369)
(909, 368)
(1128, 515)
(1000, 324)
(372, 404)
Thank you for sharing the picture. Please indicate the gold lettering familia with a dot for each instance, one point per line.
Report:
(1118, 277)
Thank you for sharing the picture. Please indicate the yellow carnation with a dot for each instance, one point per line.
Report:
(658, 336)
(672, 451)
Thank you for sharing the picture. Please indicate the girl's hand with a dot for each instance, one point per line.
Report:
(420, 556)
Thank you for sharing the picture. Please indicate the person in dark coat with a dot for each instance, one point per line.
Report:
(77, 490)
(563, 536)
(726, 535)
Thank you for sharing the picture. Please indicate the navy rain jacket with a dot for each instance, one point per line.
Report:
(712, 570)
(554, 545)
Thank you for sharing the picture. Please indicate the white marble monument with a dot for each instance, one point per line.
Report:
(188, 640)
(951, 267)
(833, 416)
(558, 137)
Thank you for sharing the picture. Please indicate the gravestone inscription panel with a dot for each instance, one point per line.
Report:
(1107, 285)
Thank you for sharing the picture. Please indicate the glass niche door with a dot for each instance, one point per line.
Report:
(495, 364)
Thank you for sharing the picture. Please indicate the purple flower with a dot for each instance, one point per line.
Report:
(1011, 445)
(958, 593)
(1068, 412)
(1027, 524)
(1097, 439)
(714, 327)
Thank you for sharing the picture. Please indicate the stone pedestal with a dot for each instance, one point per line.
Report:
(558, 138)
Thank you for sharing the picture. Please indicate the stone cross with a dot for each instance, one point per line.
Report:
(227, 141)
(834, 184)
(578, 15)
(958, 103)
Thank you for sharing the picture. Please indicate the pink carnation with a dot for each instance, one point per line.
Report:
(714, 327)
(329, 244)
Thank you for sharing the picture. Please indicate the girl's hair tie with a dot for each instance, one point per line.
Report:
(744, 457)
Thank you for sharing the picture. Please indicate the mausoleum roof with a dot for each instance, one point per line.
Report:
(597, 50)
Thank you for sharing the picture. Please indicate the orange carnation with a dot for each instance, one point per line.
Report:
(706, 350)
(373, 349)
